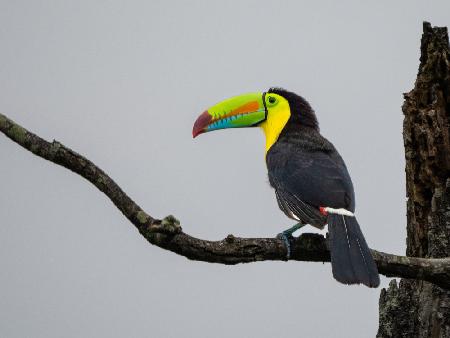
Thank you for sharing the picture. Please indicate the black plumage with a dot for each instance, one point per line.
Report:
(307, 173)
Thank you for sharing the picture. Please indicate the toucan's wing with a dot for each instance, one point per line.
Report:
(296, 209)
(314, 178)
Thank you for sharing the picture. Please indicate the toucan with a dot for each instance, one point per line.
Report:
(311, 181)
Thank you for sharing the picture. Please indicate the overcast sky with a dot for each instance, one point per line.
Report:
(122, 83)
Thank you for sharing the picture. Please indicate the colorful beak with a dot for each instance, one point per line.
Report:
(241, 111)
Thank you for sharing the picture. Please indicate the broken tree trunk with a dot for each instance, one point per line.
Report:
(415, 308)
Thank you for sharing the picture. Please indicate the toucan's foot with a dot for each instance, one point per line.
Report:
(286, 236)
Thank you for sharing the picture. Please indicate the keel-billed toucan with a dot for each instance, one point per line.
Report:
(311, 181)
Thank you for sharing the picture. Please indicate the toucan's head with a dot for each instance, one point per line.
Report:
(273, 111)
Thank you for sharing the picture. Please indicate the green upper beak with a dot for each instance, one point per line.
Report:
(237, 112)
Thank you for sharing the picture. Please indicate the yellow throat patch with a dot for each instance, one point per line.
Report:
(278, 115)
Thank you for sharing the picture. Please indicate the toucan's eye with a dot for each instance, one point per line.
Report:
(272, 99)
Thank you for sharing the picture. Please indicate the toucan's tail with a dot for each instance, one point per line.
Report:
(351, 260)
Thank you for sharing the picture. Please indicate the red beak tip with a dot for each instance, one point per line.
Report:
(195, 133)
(200, 124)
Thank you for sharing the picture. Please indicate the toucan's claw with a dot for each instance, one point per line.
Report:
(286, 237)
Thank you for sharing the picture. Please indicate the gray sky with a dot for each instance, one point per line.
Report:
(122, 83)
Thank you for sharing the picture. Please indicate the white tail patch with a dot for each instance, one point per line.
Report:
(341, 211)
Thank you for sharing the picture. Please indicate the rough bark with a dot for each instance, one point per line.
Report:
(415, 308)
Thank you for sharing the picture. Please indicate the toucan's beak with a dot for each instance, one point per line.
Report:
(246, 110)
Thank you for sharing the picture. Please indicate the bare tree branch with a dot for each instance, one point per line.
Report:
(167, 233)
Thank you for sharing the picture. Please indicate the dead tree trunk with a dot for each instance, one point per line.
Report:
(416, 308)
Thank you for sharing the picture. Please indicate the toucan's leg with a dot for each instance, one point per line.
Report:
(286, 235)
